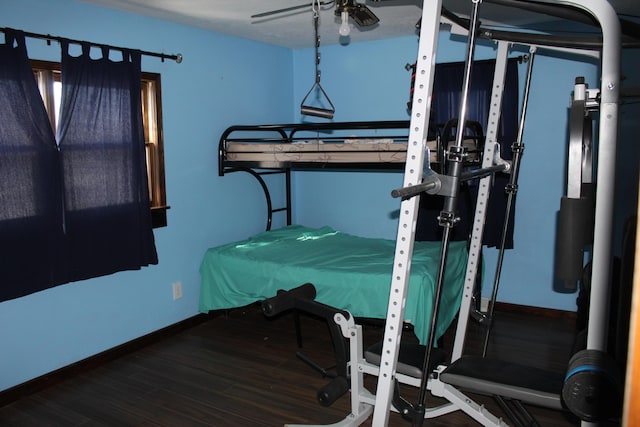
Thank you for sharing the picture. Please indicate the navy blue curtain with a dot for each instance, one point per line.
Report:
(447, 87)
(30, 184)
(107, 214)
(80, 208)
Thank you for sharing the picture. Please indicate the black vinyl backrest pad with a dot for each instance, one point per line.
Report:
(510, 380)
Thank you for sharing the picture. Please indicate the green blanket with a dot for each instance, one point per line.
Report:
(351, 273)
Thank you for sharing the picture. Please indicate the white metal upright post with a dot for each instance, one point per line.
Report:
(419, 124)
(484, 189)
(607, 139)
(601, 272)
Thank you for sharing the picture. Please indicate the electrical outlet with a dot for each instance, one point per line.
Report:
(177, 290)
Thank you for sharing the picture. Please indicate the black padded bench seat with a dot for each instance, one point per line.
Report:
(481, 375)
(510, 380)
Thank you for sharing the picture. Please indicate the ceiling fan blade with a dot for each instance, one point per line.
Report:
(286, 9)
(363, 16)
(290, 9)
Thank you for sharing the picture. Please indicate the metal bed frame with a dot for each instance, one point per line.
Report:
(395, 132)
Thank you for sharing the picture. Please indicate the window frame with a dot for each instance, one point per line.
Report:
(47, 73)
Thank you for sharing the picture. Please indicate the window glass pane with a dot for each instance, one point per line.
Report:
(57, 95)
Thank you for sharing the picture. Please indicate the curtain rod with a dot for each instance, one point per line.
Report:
(49, 37)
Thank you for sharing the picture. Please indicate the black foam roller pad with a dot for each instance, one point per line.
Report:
(316, 112)
(588, 195)
(575, 226)
(332, 391)
(285, 300)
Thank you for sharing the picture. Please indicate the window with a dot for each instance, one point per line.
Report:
(49, 78)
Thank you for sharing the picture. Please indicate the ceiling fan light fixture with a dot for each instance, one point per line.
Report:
(345, 28)
(359, 12)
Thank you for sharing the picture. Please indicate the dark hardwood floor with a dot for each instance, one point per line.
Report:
(240, 369)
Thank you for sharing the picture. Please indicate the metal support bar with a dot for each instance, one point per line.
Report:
(607, 145)
(421, 108)
(484, 188)
(511, 189)
(483, 172)
(447, 219)
(265, 190)
(463, 402)
(445, 185)
(607, 141)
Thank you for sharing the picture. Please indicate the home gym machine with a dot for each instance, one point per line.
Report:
(478, 374)
(475, 373)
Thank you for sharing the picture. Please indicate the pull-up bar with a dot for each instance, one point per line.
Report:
(49, 38)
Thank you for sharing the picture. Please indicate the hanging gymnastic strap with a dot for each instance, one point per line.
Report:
(309, 110)
(511, 189)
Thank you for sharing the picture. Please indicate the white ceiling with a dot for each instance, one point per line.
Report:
(295, 29)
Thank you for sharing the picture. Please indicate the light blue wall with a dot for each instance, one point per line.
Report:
(218, 84)
(368, 81)
(365, 81)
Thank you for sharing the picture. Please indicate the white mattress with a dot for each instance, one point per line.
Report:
(317, 151)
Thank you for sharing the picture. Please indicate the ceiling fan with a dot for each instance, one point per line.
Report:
(360, 13)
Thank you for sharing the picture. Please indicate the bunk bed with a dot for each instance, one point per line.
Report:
(363, 145)
(350, 272)
(376, 145)
(380, 144)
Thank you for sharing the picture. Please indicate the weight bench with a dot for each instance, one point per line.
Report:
(484, 376)
(590, 389)
(498, 378)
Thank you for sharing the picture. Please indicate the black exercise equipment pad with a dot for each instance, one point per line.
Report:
(510, 380)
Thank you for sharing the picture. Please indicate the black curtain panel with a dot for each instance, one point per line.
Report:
(78, 208)
(447, 88)
(30, 183)
(107, 214)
